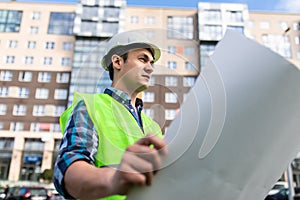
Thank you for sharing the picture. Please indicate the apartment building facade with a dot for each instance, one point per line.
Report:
(278, 31)
(36, 48)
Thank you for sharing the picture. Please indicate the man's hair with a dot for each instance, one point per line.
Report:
(123, 53)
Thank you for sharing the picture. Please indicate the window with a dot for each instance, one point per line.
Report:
(1, 128)
(61, 23)
(111, 13)
(44, 77)
(60, 94)
(66, 61)
(38, 110)
(90, 13)
(189, 51)
(148, 96)
(171, 81)
(3, 91)
(212, 15)
(264, 25)
(6, 75)
(189, 66)
(234, 16)
(171, 65)
(297, 40)
(134, 19)
(59, 110)
(284, 26)
(13, 44)
(213, 32)
(44, 127)
(35, 15)
(25, 76)
(296, 26)
(205, 51)
(62, 77)
(298, 54)
(170, 114)
(3, 109)
(19, 110)
(33, 30)
(188, 81)
(47, 61)
(10, 20)
(68, 46)
(152, 81)
(171, 49)
(278, 43)
(149, 20)
(170, 97)
(180, 27)
(239, 29)
(55, 128)
(9, 59)
(6, 143)
(16, 126)
(34, 144)
(31, 44)
(23, 92)
(28, 60)
(42, 93)
(149, 112)
(50, 45)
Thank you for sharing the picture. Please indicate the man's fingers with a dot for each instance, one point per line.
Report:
(138, 170)
(144, 155)
(154, 140)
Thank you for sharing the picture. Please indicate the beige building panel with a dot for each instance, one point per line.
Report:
(279, 24)
(41, 38)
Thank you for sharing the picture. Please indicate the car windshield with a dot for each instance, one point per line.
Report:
(278, 187)
(38, 191)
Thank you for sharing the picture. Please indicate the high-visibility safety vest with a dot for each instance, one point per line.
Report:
(115, 125)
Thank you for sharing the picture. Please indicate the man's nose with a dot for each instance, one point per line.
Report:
(149, 68)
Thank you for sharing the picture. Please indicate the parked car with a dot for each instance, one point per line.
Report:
(278, 186)
(27, 193)
(2, 194)
(282, 194)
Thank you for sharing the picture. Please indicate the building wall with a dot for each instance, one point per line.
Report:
(278, 31)
(39, 123)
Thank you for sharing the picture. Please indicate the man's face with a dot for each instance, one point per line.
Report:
(137, 69)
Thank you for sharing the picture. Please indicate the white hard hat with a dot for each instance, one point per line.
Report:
(126, 41)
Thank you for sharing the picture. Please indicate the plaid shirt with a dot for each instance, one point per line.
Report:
(80, 139)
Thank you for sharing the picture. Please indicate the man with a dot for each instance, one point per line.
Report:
(109, 145)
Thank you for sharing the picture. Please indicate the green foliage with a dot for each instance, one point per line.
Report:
(47, 175)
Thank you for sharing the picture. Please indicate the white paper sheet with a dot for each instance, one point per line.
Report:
(236, 132)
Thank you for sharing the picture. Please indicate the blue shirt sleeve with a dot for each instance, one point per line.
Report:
(79, 142)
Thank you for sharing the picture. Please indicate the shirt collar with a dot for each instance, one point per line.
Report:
(123, 97)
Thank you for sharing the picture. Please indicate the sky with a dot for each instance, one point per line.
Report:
(285, 6)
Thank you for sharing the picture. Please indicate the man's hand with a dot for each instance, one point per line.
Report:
(139, 163)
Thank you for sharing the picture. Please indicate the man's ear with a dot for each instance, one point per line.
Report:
(116, 61)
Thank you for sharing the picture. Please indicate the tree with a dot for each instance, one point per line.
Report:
(47, 175)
